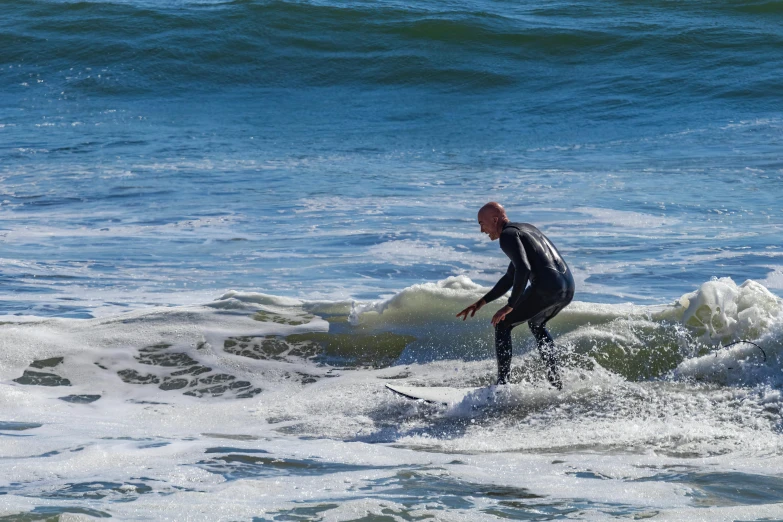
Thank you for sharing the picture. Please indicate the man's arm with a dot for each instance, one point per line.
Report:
(511, 244)
(502, 286)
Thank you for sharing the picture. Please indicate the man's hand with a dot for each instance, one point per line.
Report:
(472, 309)
(501, 314)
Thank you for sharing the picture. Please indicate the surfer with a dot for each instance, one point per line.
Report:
(535, 259)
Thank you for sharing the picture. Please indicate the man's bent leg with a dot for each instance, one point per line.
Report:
(535, 309)
(528, 307)
(546, 347)
(503, 351)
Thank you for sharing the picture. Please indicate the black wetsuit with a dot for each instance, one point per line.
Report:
(533, 258)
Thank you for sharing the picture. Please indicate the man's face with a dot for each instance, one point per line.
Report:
(489, 226)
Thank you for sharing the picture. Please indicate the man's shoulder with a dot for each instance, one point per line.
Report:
(513, 229)
(522, 231)
(510, 233)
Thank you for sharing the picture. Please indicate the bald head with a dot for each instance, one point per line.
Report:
(492, 217)
(491, 210)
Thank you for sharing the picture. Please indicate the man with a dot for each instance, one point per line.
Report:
(533, 258)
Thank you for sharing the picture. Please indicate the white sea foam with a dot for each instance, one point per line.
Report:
(722, 310)
(408, 252)
(774, 279)
(624, 218)
(612, 438)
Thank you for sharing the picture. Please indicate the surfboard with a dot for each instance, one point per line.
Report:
(440, 394)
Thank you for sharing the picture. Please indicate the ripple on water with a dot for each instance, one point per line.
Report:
(407, 492)
(18, 426)
(725, 488)
(52, 513)
(237, 463)
(97, 490)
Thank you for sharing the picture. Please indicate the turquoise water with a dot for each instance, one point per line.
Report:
(225, 225)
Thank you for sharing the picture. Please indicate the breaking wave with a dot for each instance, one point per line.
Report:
(234, 346)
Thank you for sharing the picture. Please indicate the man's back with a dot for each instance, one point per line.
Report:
(528, 248)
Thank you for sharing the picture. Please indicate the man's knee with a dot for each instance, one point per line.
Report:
(536, 328)
(541, 334)
(503, 328)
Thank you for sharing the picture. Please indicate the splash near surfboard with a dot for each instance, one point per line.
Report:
(435, 394)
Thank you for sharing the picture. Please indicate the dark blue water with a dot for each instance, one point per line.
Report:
(340, 150)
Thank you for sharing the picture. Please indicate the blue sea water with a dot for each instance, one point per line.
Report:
(299, 161)
(278, 146)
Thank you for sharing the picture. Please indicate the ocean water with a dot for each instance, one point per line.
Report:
(225, 225)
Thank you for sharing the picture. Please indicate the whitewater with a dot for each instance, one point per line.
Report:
(261, 407)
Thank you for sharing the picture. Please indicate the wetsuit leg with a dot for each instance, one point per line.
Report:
(503, 351)
(528, 308)
(546, 347)
(536, 310)
(544, 341)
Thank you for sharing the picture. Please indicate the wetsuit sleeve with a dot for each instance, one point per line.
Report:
(512, 246)
(502, 286)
